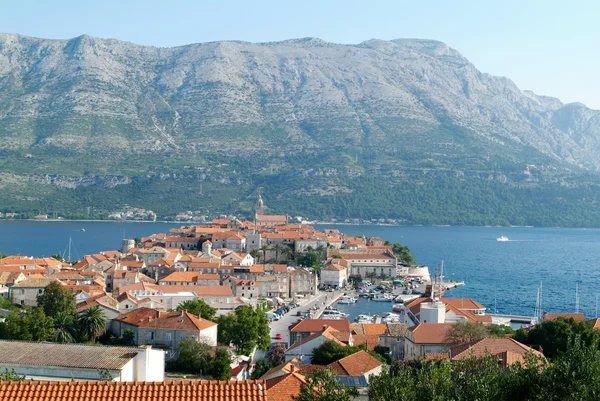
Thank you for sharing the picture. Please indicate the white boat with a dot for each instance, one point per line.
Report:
(398, 307)
(345, 300)
(333, 314)
(502, 239)
(383, 298)
(364, 319)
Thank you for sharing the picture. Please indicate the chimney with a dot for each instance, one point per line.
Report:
(181, 314)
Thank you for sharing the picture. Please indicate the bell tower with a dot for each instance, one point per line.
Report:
(260, 206)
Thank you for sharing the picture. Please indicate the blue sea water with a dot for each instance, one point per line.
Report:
(503, 276)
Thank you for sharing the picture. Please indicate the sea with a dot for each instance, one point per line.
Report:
(503, 276)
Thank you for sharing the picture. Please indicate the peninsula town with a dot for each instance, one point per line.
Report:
(247, 307)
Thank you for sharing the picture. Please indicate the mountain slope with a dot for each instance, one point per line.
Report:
(87, 111)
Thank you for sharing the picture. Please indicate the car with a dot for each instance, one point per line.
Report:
(278, 336)
(330, 290)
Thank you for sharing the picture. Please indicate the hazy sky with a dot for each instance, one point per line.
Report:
(551, 47)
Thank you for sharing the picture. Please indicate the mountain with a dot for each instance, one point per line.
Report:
(322, 128)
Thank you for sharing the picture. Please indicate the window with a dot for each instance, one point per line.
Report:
(168, 336)
(22, 302)
(40, 291)
(126, 306)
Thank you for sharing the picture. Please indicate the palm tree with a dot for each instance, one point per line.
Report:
(62, 328)
(277, 248)
(264, 249)
(255, 253)
(92, 322)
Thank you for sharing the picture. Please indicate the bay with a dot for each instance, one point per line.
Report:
(503, 276)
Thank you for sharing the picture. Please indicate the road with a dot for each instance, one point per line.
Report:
(281, 326)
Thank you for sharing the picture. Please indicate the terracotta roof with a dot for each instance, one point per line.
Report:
(285, 387)
(554, 316)
(316, 325)
(226, 235)
(368, 329)
(34, 283)
(9, 277)
(146, 317)
(277, 218)
(356, 364)
(462, 303)
(365, 256)
(430, 333)
(234, 390)
(334, 267)
(509, 350)
(98, 300)
(396, 329)
(64, 355)
(189, 277)
(595, 323)
(371, 341)
(328, 333)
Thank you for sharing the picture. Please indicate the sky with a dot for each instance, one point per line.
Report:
(550, 47)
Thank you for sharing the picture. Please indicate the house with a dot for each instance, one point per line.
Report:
(8, 279)
(443, 310)
(58, 361)
(285, 387)
(302, 282)
(229, 240)
(364, 262)
(127, 302)
(359, 364)
(308, 327)
(191, 278)
(302, 350)
(506, 350)
(27, 291)
(107, 304)
(334, 275)
(165, 329)
(181, 242)
(243, 390)
(171, 296)
(393, 339)
(368, 334)
(242, 288)
(575, 316)
(426, 338)
(241, 258)
(273, 286)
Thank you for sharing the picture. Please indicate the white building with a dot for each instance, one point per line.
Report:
(334, 275)
(67, 362)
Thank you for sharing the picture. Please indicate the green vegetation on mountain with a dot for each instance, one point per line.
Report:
(403, 129)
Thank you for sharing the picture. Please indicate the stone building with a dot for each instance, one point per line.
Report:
(27, 291)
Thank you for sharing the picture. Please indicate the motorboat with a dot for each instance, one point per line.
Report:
(383, 298)
(333, 314)
(502, 239)
(391, 318)
(346, 299)
(398, 307)
(364, 319)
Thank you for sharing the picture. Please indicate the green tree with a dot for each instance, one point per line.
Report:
(466, 331)
(355, 279)
(331, 351)
(321, 386)
(62, 328)
(193, 357)
(56, 298)
(58, 257)
(260, 368)
(91, 322)
(128, 337)
(104, 375)
(403, 254)
(40, 326)
(198, 307)
(11, 376)
(278, 250)
(500, 331)
(554, 335)
(247, 328)
(220, 366)
(264, 248)
(255, 253)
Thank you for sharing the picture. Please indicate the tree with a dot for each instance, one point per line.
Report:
(355, 279)
(58, 257)
(466, 331)
(128, 337)
(403, 254)
(260, 368)
(193, 357)
(198, 307)
(104, 375)
(331, 351)
(255, 253)
(41, 326)
(11, 376)
(220, 366)
(62, 328)
(278, 249)
(554, 335)
(264, 248)
(91, 322)
(497, 330)
(56, 298)
(336, 256)
(321, 386)
(276, 354)
(247, 328)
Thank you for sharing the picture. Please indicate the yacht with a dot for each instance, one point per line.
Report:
(333, 314)
(346, 299)
(383, 298)
(502, 239)
(364, 319)
(398, 308)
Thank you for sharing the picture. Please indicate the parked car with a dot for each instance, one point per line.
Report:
(278, 336)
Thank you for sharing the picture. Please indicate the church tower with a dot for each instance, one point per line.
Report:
(260, 206)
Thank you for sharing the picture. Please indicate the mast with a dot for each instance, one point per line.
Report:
(576, 297)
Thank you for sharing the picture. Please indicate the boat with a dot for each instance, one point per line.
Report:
(333, 314)
(502, 239)
(364, 319)
(398, 308)
(346, 299)
(383, 298)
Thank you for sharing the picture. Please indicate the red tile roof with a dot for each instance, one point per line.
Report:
(553, 316)
(234, 390)
(285, 387)
(356, 364)
(146, 317)
(316, 325)
(430, 333)
(510, 351)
